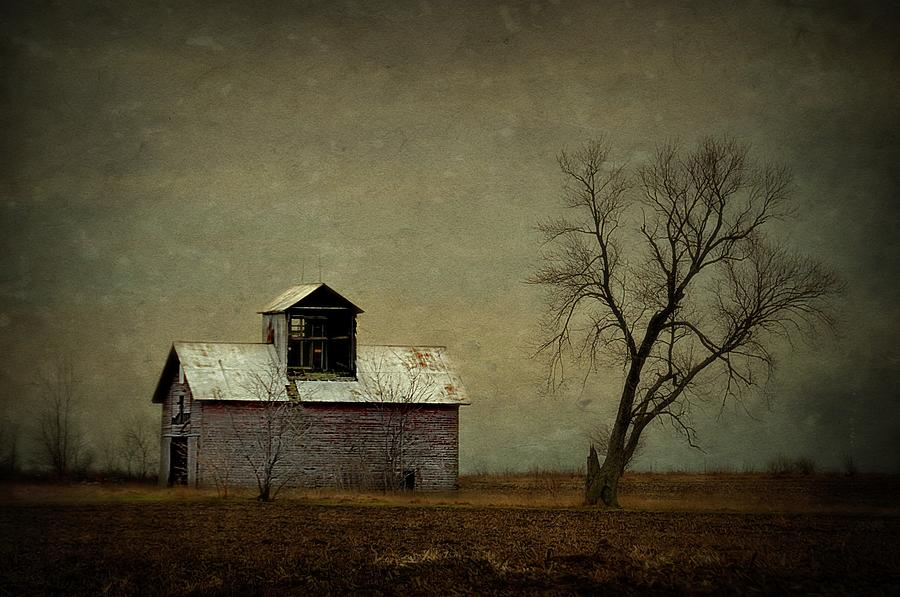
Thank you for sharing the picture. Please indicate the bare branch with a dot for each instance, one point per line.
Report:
(398, 396)
(268, 428)
(696, 297)
(60, 439)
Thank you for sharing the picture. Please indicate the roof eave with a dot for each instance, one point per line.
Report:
(162, 385)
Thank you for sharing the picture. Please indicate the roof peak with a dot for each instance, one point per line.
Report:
(300, 292)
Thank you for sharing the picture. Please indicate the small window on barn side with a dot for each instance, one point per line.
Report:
(181, 417)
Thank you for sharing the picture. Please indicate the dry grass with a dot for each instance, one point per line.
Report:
(685, 492)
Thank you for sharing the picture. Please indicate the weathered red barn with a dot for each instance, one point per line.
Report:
(337, 413)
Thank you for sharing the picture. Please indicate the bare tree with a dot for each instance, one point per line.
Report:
(269, 433)
(61, 442)
(9, 448)
(398, 395)
(139, 446)
(666, 272)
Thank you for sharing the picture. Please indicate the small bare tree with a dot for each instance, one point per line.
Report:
(397, 395)
(139, 446)
(667, 273)
(9, 448)
(269, 435)
(61, 443)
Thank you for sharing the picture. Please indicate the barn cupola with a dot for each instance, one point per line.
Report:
(313, 329)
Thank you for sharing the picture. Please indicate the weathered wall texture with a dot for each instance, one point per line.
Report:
(170, 409)
(339, 445)
(168, 430)
(274, 331)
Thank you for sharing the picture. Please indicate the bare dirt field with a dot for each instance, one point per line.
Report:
(498, 535)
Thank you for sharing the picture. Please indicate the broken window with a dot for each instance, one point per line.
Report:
(321, 342)
(308, 343)
(181, 417)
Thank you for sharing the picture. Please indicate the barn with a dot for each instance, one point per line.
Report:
(309, 405)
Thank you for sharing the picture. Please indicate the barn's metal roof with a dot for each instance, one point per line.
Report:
(227, 371)
(289, 297)
(295, 294)
(393, 374)
(385, 374)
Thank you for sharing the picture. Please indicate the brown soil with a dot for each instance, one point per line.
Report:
(149, 543)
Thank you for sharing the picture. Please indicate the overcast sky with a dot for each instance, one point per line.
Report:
(169, 167)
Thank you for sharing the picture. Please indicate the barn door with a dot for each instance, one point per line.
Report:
(178, 461)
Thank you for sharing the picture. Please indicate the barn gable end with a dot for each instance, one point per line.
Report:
(182, 416)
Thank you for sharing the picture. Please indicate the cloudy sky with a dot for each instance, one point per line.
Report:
(169, 167)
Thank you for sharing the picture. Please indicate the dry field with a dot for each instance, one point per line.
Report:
(497, 535)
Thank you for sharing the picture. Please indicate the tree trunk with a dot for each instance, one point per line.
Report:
(602, 482)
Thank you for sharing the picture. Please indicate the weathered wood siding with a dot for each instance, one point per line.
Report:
(274, 331)
(340, 445)
(170, 409)
(179, 386)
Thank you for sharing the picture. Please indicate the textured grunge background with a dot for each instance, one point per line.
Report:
(169, 167)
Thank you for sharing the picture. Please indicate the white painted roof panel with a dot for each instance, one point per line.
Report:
(385, 374)
(290, 297)
(226, 371)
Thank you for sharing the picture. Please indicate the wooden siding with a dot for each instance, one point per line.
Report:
(341, 445)
(274, 331)
(170, 408)
(169, 430)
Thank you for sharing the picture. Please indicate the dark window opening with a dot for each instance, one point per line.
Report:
(178, 461)
(409, 480)
(308, 347)
(320, 344)
(181, 417)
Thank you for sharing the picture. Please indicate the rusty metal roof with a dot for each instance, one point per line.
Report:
(295, 294)
(393, 374)
(385, 374)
